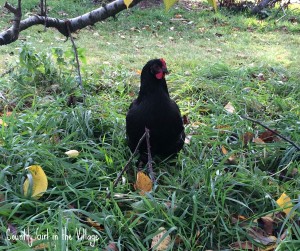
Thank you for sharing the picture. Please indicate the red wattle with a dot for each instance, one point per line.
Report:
(160, 75)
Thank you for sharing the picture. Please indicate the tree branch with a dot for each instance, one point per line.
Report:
(276, 133)
(77, 23)
(263, 4)
(12, 34)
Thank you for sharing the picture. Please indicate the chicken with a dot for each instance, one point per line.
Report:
(155, 110)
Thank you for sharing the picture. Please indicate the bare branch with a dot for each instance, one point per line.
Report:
(261, 5)
(77, 60)
(77, 23)
(125, 168)
(276, 133)
(150, 160)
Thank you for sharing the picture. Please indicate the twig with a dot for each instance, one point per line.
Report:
(269, 129)
(282, 7)
(125, 168)
(149, 163)
(76, 57)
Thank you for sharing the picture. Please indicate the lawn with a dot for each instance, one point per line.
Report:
(223, 184)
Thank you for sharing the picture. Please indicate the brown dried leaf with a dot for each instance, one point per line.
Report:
(238, 219)
(267, 224)
(94, 224)
(268, 136)
(247, 137)
(42, 246)
(246, 245)
(259, 236)
(231, 158)
(143, 183)
(164, 244)
(223, 128)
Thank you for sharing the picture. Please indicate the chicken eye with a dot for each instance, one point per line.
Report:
(155, 69)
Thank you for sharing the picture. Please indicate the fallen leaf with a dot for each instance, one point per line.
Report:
(41, 246)
(39, 182)
(247, 137)
(223, 128)
(284, 201)
(268, 136)
(178, 16)
(72, 153)
(266, 223)
(143, 183)
(3, 123)
(261, 76)
(231, 158)
(127, 3)
(246, 245)
(258, 141)
(229, 108)
(111, 247)
(269, 248)
(163, 244)
(94, 224)
(169, 3)
(259, 236)
(240, 220)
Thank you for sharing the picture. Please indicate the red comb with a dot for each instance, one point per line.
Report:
(163, 62)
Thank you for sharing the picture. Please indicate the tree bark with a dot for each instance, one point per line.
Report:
(263, 4)
(11, 35)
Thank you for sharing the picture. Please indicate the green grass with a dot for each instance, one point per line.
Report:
(198, 193)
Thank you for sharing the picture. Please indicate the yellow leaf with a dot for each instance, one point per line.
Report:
(231, 158)
(169, 3)
(143, 183)
(72, 153)
(39, 182)
(163, 245)
(2, 123)
(284, 201)
(127, 3)
(224, 151)
(213, 3)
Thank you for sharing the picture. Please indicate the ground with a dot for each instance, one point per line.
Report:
(218, 190)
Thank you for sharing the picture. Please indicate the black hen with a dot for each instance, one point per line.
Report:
(155, 110)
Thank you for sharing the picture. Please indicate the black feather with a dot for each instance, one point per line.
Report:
(155, 110)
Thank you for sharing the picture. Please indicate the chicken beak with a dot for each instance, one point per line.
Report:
(165, 71)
